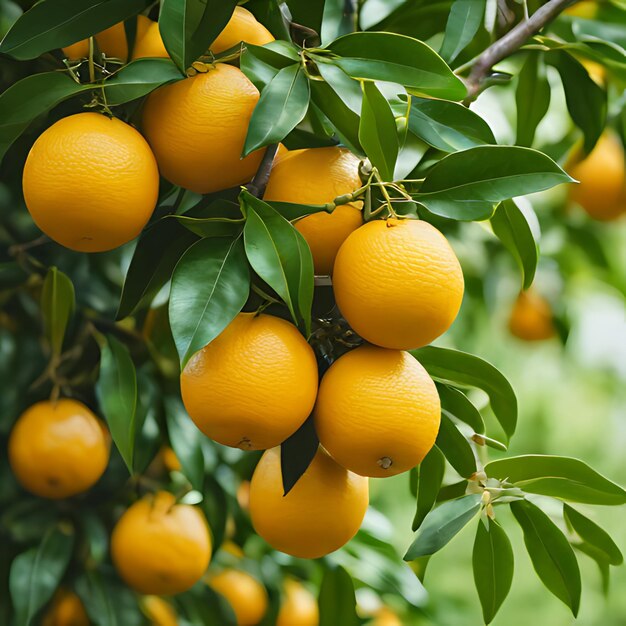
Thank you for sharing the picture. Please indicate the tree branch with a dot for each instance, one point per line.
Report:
(258, 184)
(510, 43)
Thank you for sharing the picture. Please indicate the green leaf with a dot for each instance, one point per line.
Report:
(441, 525)
(36, 573)
(532, 98)
(97, 598)
(336, 20)
(296, 454)
(117, 394)
(52, 24)
(593, 534)
(429, 478)
(201, 310)
(467, 185)
(492, 561)
(291, 211)
(57, 306)
(348, 89)
(448, 126)
(559, 477)
(460, 368)
(455, 447)
(398, 59)
(280, 255)
(189, 27)
(458, 404)
(466, 17)
(550, 553)
(511, 227)
(377, 131)
(281, 107)
(337, 601)
(261, 63)
(211, 226)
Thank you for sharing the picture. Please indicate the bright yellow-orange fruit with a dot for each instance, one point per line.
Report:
(318, 176)
(398, 283)
(299, 607)
(531, 317)
(252, 386)
(321, 513)
(158, 611)
(90, 182)
(245, 594)
(160, 547)
(377, 411)
(58, 449)
(602, 189)
(66, 609)
(386, 617)
(586, 9)
(197, 128)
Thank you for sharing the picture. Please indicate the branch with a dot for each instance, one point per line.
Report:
(258, 184)
(509, 44)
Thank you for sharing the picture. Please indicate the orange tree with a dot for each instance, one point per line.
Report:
(291, 172)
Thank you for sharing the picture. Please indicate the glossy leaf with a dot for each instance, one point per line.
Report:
(336, 20)
(429, 478)
(261, 63)
(399, 59)
(117, 394)
(200, 311)
(492, 561)
(455, 447)
(441, 525)
(211, 226)
(458, 404)
(559, 477)
(57, 306)
(550, 553)
(291, 211)
(296, 454)
(337, 602)
(466, 17)
(532, 98)
(460, 368)
(348, 89)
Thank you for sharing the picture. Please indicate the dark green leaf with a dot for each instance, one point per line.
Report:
(211, 226)
(492, 561)
(559, 477)
(429, 478)
(336, 20)
(532, 98)
(551, 554)
(57, 306)
(466, 17)
(337, 601)
(441, 525)
(97, 598)
(458, 404)
(459, 368)
(348, 89)
(215, 507)
(200, 311)
(455, 447)
(291, 211)
(117, 394)
(296, 454)
(261, 63)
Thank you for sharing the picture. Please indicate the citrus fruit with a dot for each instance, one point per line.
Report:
(158, 611)
(197, 128)
(245, 594)
(386, 617)
(299, 607)
(90, 182)
(531, 317)
(601, 192)
(58, 449)
(321, 513)
(318, 176)
(170, 460)
(66, 609)
(398, 283)
(377, 411)
(160, 547)
(252, 386)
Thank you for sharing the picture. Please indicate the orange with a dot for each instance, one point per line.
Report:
(197, 128)
(58, 449)
(318, 176)
(377, 411)
(158, 611)
(252, 386)
(90, 182)
(66, 609)
(321, 513)
(161, 547)
(602, 189)
(299, 607)
(386, 617)
(531, 317)
(170, 459)
(398, 283)
(245, 594)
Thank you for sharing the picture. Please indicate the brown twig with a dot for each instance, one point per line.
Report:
(508, 44)
(258, 184)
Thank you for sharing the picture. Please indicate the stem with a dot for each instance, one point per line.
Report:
(509, 44)
(92, 73)
(258, 184)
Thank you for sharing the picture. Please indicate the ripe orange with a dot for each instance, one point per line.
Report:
(161, 547)
(386, 617)
(245, 594)
(377, 411)
(90, 182)
(299, 607)
(321, 513)
(170, 460)
(58, 449)
(531, 317)
(252, 386)
(158, 611)
(602, 189)
(318, 176)
(66, 609)
(398, 283)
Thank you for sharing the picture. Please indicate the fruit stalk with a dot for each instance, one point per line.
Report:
(258, 184)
